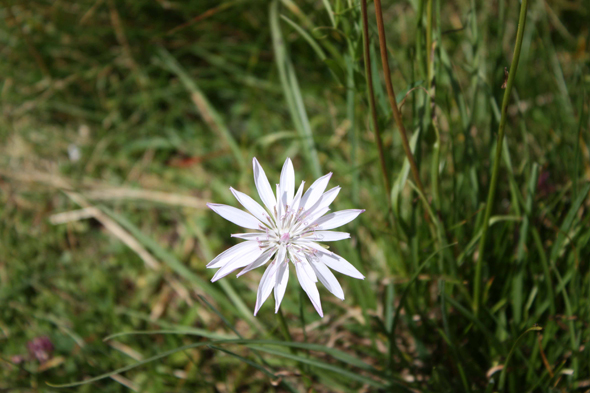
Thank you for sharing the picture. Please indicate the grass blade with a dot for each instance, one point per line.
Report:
(292, 91)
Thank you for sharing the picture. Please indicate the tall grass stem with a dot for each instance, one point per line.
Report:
(497, 157)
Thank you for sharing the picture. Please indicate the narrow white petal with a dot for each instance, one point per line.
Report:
(281, 202)
(314, 217)
(327, 236)
(328, 279)
(297, 199)
(282, 278)
(341, 265)
(337, 219)
(266, 285)
(263, 187)
(238, 217)
(322, 250)
(252, 206)
(295, 256)
(288, 181)
(310, 288)
(315, 191)
(228, 254)
(325, 200)
(309, 271)
(251, 236)
(237, 262)
(258, 262)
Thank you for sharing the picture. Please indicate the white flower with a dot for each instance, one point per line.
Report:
(288, 233)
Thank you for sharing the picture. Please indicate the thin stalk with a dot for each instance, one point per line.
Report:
(391, 93)
(287, 335)
(430, 47)
(353, 139)
(284, 327)
(301, 314)
(429, 40)
(498, 154)
(518, 340)
(371, 93)
(302, 318)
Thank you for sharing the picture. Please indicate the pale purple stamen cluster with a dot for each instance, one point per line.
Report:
(288, 233)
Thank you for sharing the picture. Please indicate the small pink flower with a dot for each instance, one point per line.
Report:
(40, 348)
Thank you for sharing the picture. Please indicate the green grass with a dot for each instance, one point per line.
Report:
(177, 97)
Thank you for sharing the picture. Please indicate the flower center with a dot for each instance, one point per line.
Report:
(285, 237)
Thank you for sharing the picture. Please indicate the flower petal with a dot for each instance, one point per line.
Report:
(315, 191)
(328, 279)
(236, 216)
(310, 288)
(314, 216)
(237, 262)
(341, 265)
(252, 236)
(297, 199)
(280, 208)
(252, 206)
(317, 247)
(325, 200)
(258, 262)
(327, 236)
(288, 182)
(282, 278)
(266, 285)
(337, 219)
(309, 271)
(231, 252)
(263, 187)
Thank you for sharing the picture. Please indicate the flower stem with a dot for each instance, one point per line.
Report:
(301, 314)
(284, 327)
(369, 78)
(497, 156)
(285, 330)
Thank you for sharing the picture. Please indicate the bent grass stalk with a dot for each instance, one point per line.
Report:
(398, 118)
(497, 156)
(391, 94)
(371, 93)
(518, 340)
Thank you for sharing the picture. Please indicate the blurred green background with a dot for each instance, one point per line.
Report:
(121, 119)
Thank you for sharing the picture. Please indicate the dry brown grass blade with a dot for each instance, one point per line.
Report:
(90, 13)
(116, 230)
(125, 382)
(48, 179)
(149, 195)
(90, 211)
(126, 349)
(102, 193)
(131, 242)
(73, 215)
(202, 16)
(122, 39)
